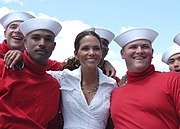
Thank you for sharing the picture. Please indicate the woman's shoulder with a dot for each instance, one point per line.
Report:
(105, 79)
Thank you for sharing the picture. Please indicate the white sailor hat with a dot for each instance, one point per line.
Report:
(177, 39)
(103, 33)
(14, 16)
(106, 34)
(170, 51)
(135, 34)
(37, 24)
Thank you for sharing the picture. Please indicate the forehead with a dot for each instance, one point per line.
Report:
(42, 32)
(89, 38)
(15, 23)
(139, 42)
(177, 55)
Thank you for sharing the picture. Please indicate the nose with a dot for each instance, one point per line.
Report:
(17, 30)
(176, 63)
(42, 43)
(139, 49)
(91, 52)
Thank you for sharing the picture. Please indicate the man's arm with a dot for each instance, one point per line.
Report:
(13, 59)
(110, 70)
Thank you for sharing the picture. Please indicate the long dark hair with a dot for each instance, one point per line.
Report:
(71, 63)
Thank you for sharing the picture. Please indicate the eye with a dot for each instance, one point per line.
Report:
(97, 48)
(178, 58)
(145, 46)
(132, 47)
(36, 38)
(13, 26)
(49, 39)
(171, 62)
(85, 48)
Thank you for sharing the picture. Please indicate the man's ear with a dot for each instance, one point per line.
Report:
(152, 52)
(107, 49)
(54, 45)
(5, 34)
(122, 53)
(25, 43)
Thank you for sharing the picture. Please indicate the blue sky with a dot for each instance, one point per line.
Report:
(115, 15)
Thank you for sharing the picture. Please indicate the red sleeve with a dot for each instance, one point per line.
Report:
(54, 65)
(58, 121)
(175, 93)
(2, 65)
(4, 47)
(117, 79)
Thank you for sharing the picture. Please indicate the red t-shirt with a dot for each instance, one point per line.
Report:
(4, 47)
(149, 100)
(29, 98)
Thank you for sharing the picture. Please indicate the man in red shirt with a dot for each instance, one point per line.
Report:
(171, 57)
(14, 39)
(150, 99)
(30, 98)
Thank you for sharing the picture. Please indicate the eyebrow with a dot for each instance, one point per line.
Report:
(40, 34)
(13, 24)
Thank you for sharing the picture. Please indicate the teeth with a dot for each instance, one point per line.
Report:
(91, 59)
(17, 37)
(139, 58)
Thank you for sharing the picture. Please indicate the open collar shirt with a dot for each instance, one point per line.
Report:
(76, 111)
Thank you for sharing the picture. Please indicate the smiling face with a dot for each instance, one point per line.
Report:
(174, 62)
(14, 37)
(89, 53)
(137, 55)
(40, 44)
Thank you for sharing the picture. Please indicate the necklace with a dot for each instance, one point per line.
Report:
(92, 90)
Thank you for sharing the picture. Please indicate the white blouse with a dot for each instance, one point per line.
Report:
(76, 112)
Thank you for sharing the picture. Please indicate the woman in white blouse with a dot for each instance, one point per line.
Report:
(85, 90)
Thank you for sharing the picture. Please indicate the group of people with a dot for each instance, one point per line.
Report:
(84, 89)
(31, 85)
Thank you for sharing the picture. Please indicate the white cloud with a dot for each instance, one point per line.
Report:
(111, 54)
(117, 62)
(15, 1)
(4, 11)
(159, 65)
